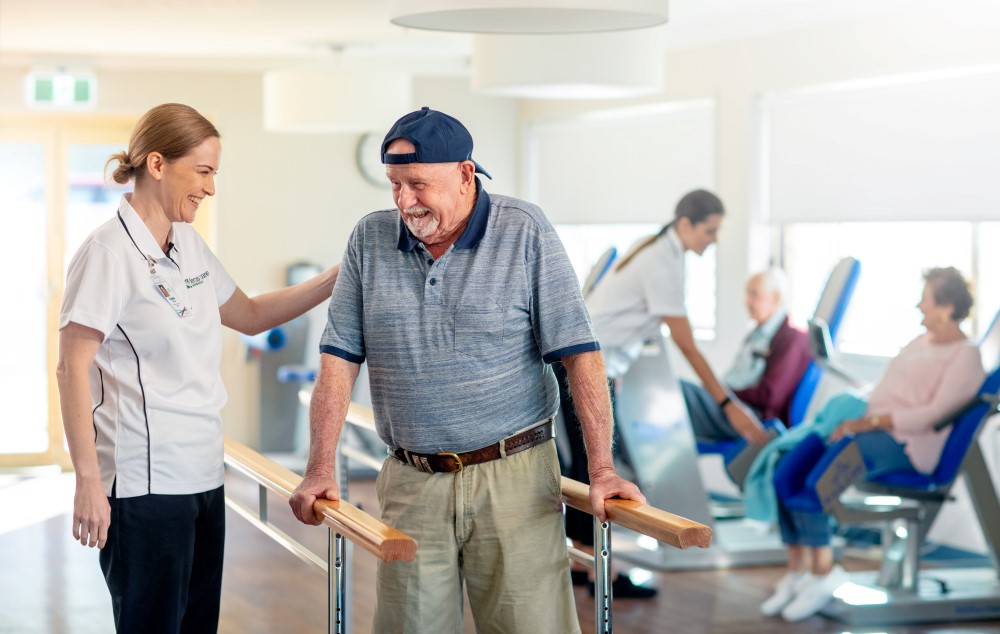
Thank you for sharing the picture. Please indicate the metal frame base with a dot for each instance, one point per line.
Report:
(973, 595)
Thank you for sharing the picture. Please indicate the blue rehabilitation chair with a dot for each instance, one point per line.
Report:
(812, 478)
(830, 311)
(600, 268)
(831, 308)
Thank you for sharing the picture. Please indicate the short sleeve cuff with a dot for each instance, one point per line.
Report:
(555, 355)
(224, 294)
(343, 354)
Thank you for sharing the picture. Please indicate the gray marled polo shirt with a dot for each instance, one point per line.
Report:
(458, 348)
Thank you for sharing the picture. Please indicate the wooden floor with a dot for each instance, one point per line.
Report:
(50, 584)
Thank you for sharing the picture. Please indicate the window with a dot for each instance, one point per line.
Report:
(882, 316)
(586, 243)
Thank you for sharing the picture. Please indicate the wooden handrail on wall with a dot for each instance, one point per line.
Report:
(666, 527)
(385, 542)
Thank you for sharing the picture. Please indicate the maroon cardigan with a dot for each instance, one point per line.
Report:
(786, 362)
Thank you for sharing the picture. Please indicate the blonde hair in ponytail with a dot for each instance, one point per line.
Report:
(171, 129)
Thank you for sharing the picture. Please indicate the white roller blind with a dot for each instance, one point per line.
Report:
(905, 149)
(623, 165)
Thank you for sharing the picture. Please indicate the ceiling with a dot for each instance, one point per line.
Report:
(274, 33)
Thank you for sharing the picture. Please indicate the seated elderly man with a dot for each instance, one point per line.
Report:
(767, 369)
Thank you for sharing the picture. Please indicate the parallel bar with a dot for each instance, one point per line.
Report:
(277, 535)
(361, 416)
(661, 525)
(382, 541)
(666, 527)
(580, 557)
(363, 458)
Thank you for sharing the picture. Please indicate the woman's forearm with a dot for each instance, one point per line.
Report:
(262, 312)
(78, 346)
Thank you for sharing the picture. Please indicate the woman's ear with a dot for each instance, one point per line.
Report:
(154, 165)
(682, 225)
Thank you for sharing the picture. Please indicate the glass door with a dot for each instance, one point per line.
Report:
(53, 194)
(26, 201)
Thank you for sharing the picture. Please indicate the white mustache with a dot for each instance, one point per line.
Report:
(416, 211)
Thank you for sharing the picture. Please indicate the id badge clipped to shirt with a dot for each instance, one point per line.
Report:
(161, 286)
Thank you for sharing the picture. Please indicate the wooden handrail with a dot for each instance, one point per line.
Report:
(361, 416)
(675, 530)
(385, 542)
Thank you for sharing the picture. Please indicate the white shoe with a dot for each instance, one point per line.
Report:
(814, 595)
(784, 592)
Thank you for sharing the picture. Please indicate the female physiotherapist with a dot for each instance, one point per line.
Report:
(646, 289)
(139, 378)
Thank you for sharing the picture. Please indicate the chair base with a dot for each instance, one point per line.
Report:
(973, 595)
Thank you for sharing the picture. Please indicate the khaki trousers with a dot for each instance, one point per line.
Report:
(497, 527)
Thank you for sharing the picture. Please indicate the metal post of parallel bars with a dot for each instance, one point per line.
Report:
(602, 576)
(337, 563)
(335, 573)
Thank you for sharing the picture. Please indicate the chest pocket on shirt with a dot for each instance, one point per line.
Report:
(478, 329)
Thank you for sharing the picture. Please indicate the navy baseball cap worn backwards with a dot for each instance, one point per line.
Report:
(436, 138)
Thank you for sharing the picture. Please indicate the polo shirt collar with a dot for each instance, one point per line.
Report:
(473, 233)
(138, 230)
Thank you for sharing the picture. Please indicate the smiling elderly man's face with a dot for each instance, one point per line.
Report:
(431, 197)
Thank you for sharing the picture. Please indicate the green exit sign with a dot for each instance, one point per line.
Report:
(61, 90)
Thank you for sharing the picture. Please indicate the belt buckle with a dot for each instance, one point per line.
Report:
(454, 456)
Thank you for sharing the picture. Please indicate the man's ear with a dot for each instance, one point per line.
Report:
(468, 169)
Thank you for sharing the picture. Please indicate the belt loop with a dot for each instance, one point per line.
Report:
(503, 448)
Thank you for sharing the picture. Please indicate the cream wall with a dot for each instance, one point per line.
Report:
(282, 198)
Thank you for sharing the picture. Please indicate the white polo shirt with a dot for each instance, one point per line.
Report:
(628, 306)
(155, 382)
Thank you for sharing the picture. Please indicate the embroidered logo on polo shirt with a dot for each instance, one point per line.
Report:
(191, 282)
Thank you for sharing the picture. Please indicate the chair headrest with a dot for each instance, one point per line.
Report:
(836, 293)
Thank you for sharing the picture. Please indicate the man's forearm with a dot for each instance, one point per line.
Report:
(327, 411)
(589, 387)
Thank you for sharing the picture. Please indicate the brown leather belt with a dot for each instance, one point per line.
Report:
(448, 462)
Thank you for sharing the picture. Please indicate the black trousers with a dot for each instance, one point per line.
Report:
(163, 562)
(708, 420)
(579, 525)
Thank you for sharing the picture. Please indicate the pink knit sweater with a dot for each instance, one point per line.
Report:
(924, 384)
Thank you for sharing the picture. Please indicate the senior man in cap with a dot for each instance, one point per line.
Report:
(459, 300)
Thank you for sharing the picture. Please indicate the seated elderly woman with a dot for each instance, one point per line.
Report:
(767, 369)
(931, 378)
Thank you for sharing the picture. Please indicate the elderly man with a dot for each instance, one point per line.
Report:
(768, 367)
(459, 301)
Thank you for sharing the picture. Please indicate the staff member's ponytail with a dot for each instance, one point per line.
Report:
(696, 206)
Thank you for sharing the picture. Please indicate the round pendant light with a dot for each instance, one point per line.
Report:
(528, 16)
(579, 66)
(334, 99)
